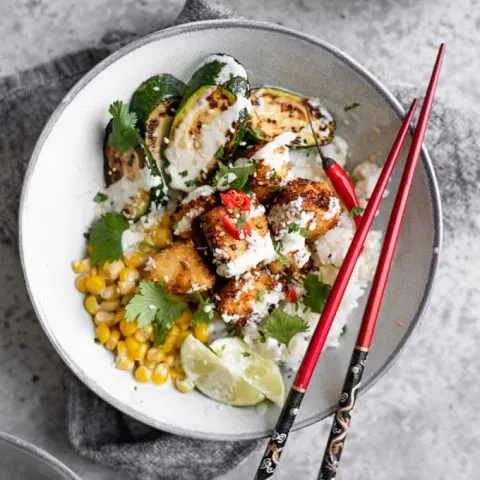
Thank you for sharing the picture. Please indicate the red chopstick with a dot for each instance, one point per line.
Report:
(271, 457)
(341, 422)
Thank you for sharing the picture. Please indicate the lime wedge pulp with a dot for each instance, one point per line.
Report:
(212, 377)
(259, 372)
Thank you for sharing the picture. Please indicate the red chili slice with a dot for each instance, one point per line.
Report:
(247, 229)
(230, 227)
(233, 199)
(292, 296)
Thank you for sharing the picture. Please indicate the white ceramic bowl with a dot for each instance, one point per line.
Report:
(66, 170)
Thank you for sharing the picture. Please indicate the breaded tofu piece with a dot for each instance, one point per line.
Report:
(293, 263)
(249, 297)
(185, 217)
(180, 269)
(234, 256)
(273, 165)
(303, 209)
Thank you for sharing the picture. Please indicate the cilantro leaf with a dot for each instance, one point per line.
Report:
(154, 306)
(100, 197)
(353, 105)
(229, 176)
(124, 134)
(241, 221)
(356, 212)
(282, 327)
(261, 295)
(105, 238)
(317, 292)
(205, 310)
(295, 227)
(278, 247)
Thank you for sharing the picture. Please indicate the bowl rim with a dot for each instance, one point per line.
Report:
(253, 25)
(39, 453)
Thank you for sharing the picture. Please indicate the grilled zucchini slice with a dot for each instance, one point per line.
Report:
(275, 111)
(151, 93)
(199, 131)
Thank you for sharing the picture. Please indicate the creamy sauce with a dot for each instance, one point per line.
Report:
(185, 223)
(231, 68)
(275, 154)
(199, 192)
(123, 191)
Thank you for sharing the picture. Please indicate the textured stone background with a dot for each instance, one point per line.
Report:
(408, 425)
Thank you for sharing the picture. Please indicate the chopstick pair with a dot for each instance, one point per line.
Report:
(331, 458)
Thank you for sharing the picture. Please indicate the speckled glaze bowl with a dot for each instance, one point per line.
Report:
(20, 460)
(66, 170)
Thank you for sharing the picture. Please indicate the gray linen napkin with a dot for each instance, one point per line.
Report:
(95, 429)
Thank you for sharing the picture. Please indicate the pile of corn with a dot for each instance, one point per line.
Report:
(107, 290)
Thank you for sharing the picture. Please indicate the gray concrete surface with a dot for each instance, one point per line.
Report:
(396, 38)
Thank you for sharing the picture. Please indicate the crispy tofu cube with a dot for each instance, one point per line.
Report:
(185, 218)
(250, 296)
(234, 256)
(180, 269)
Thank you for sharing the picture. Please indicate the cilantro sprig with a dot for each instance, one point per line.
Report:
(228, 176)
(205, 309)
(100, 197)
(295, 227)
(317, 292)
(283, 327)
(356, 212)
(105, 238)
(125, 134)
(154, 306)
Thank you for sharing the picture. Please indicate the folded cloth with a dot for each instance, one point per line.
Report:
(95, 429)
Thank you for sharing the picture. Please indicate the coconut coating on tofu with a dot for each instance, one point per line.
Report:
(180, 269)
(307, 204)
(236, 256)
(186, 216)
(250, 296)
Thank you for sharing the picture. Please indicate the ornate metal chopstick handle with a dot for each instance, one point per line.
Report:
(341, 421)
(271, 457)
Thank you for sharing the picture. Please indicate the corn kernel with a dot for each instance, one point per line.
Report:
(91, 304)
(162, 237)
(136, 350)
(95, 284)
(129, 274)
(150, 365)
(81, 266)
(113, 340)
(181, 337)
(177, 373)
(143, 334)
(128, 328)
(110, 305)
(184, 385)
(170, 360)
(113, 269)
(185, 320)
(121, 348)
(201, 332)
(126, 288)
(119, 315)
(102, 332)
(135, 259)
(160, 374)
(124, 363)
(80, 283)
(110, 293)
(143, 374)
(166, 221)
(103, 317)
(169, 344)
(155, 354)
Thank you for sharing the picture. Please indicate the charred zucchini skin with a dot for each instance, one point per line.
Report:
(293, 110)
(151, 93)
(157, 126)
(207, 75)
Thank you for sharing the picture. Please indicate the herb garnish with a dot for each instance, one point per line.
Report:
(105, 238)
(261, 295)
(278, 247)
(205, 310)
(184, 173)
(283, 327)
(228, 176)
(356, 212)
(295, 227)
(241, 221)
(100, 197)
(154, 306)
(317, 292)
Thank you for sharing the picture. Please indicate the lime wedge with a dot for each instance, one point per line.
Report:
(213, 378)
(261, 373)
